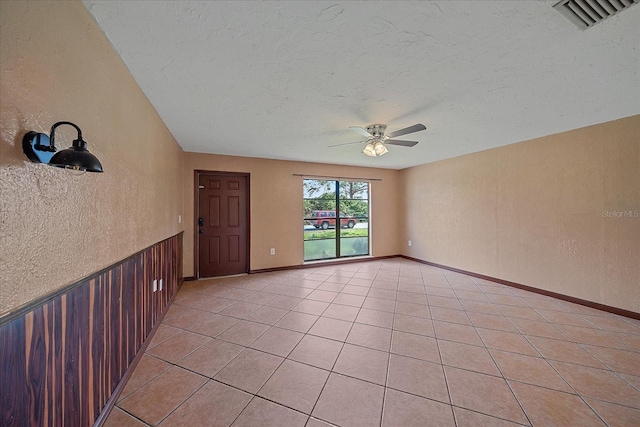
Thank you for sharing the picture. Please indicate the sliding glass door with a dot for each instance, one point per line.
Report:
(336, 219)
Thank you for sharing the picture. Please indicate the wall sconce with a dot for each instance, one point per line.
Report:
(40, 148)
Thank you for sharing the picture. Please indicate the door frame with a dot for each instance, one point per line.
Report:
(196, 209)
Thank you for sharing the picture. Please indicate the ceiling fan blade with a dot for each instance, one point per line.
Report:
(361, 131)
(347, 143)
(411, 129)
(401, 142)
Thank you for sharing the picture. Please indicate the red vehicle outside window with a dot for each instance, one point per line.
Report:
(327, 219)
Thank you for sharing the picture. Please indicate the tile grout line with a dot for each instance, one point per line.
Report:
(133, 416)
(386, 378)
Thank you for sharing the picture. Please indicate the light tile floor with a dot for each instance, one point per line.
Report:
(382, 343)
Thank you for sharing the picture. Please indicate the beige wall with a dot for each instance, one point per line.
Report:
(276, 206)
(534, 213)
(56, 227)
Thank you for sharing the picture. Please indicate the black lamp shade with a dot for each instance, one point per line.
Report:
(76, 157)
(40, 148)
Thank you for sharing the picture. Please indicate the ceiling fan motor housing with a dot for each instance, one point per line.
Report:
(376, 130)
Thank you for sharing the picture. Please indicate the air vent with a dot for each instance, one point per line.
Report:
(587, 13)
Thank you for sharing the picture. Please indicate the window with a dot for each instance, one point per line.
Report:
(336, 219)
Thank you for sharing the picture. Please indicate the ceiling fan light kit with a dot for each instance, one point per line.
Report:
(374, 149)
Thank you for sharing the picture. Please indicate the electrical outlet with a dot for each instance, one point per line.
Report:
(409, 242)
(179, 219)
(273, 251)
(155, 285)
(160, 284)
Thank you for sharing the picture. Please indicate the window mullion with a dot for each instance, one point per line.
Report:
(338, 228)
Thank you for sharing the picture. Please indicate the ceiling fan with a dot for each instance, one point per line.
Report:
(376, 139)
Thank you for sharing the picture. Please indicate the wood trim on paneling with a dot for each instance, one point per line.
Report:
(61, 360)
(586, 303)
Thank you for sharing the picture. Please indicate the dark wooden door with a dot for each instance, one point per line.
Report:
(222, 225)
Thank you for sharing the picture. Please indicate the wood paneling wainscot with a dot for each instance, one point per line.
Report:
(61, 357)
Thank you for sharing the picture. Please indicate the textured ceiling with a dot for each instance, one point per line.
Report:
(284, 80)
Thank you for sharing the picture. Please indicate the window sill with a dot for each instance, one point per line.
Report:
(342, 260)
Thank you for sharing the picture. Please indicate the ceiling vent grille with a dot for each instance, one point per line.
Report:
(587, 13)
